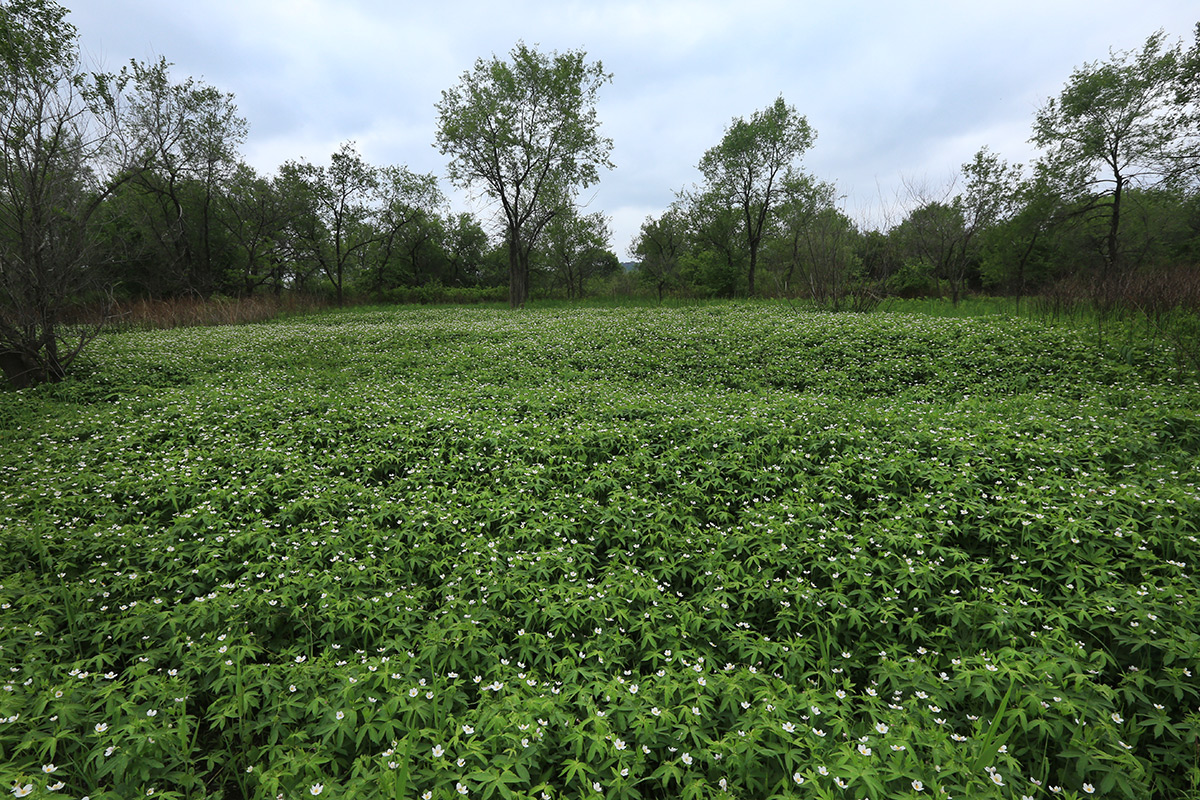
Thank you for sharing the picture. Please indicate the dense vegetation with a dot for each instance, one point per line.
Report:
(718, 551)
(132, 186)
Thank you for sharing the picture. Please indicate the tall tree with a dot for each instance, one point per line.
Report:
(750, 162)
(407, 219)
(193, 132)
(59, 159)
(526, 129)
(1128, 121)
(465, 244)
(254, 215)
(715, 255)
(336, 223)
(943, 231)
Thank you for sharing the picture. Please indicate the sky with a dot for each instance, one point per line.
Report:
(900, 94)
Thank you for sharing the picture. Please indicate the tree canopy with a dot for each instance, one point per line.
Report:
(527, 130)
(750, 162)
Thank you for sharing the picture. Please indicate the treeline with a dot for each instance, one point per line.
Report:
(1109, 212)
(132, 186)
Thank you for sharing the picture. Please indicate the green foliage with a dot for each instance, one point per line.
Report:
(526, 129)
(748, 168)
(719, 550)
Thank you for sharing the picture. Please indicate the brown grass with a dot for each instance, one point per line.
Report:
(183, 312)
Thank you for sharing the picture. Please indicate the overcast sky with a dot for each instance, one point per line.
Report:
(895, 90)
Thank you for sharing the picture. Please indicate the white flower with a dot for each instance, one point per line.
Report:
(818, 731)
(880, 728)
(996, 779)
(596, 786)
(54, 787)
(866, 751)
(798, 778)
(340, 715)
(1087, 787)
(789, 727)
(918, 786)
(316, 789)
(468, 730)
(49, 769)
(458, 787)
(413, 692)
(686, 758)
(21, 791)
(437, 751)
(1117, 718)
(101, 727)
(822, 771)
(619, 744)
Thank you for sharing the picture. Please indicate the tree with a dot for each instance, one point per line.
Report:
(748, 166)
(407, 219)
(59, 160)
(465, 244)
(1128, 121)
(193, 133)
(527, 131)
(715, 253)
(575, 248)
(254, 215)
(659, 246)
(943, 232)
(816, 240)
(336, 223)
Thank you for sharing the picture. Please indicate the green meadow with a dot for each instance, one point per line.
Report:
(719, 551)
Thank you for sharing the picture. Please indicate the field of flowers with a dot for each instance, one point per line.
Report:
(711, 552)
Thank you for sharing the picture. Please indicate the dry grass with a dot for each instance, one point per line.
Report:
(195, 311)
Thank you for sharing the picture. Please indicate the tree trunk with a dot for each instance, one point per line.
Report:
(518, 272)
(1114, 225)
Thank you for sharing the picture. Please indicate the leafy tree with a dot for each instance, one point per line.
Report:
(1128, 121)
(944, 232)
(659, 246)
(814, 241)
(336, 225)
(253, 212)
(193, 133)
(749, 164)
(1019, 251)
(60, 157)
(465, 243)
(525, 129)
(407, 221)
(575, 248)
(715, 254)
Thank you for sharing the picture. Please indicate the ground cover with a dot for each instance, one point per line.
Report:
(721, 551)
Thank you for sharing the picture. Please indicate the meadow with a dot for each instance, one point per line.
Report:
(725, 551)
